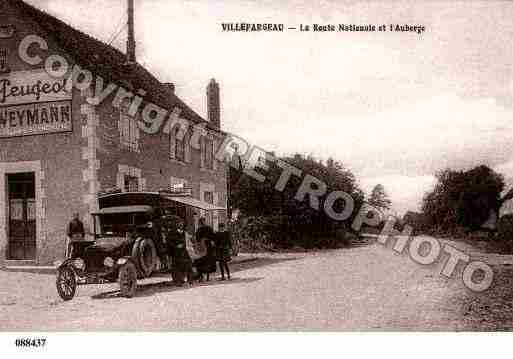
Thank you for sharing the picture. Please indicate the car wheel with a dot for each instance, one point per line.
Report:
(146, 254)
(66, 283)
(127, 279)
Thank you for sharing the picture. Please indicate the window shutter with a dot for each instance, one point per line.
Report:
(120, 181)
(3, 61)
(216, 213)
(215, 145)
(187, 145)
(202, 195)
(137, 133)
(172, 145)
(202, 152)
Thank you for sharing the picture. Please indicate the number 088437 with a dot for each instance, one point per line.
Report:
(30, 342)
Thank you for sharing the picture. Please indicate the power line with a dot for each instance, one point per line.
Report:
(117, 34)
(121, 25)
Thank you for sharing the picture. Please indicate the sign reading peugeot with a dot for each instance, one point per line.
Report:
(32, 102)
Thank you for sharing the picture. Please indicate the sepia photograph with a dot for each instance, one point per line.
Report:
(255, 166)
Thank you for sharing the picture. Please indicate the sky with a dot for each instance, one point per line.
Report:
(393, 107)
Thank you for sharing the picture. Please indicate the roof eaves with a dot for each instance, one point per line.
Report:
(112, 68)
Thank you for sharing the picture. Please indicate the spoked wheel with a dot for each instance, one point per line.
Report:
(66, 283)
(127, 280)
(147, 256)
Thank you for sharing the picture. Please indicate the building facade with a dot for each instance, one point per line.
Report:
(58, 150)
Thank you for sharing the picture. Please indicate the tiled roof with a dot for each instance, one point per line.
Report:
(108, 62)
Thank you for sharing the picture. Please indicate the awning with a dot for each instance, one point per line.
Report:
(193, 202)
(124, 209)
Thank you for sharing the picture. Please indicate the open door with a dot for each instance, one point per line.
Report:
(22, 216)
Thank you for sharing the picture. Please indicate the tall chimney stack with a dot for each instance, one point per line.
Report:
(130, 44)
(213, 103)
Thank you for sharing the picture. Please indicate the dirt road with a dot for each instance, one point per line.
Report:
(362, 288)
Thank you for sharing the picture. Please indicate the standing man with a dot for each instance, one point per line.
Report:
(75, 232)
(207, 263)
(223, 250)
(181, 267)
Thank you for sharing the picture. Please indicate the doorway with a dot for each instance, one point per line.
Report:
(21, 209)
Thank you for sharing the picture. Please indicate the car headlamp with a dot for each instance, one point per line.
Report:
(108, 262)
(79, 263)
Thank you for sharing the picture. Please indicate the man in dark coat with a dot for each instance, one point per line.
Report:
(181, 260)
(75, 232)
(76, 228)
(223, 250)
(207, 263)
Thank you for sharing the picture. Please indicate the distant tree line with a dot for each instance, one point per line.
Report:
(282, 220)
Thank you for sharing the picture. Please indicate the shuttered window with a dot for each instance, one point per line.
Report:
(131, 184)
(128, 129)
(3, 60)
(208, 154)
(178, 146)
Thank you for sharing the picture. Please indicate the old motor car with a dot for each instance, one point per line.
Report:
(128, 242)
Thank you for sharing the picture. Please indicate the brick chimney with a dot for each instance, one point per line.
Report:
(213, 104)
(130, 44)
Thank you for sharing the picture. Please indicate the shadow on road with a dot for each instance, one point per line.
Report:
(146, 290)
(259, 262)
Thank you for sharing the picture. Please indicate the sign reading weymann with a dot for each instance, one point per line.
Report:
(32, 102)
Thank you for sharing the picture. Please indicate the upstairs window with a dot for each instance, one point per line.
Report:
(208, 154)
(131, 184)
(128, 129)
(209, 197)
(176, 145)
(3, 61)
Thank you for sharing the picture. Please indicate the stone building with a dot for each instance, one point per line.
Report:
(58, 149)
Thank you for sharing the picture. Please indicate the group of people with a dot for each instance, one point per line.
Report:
(217, 246)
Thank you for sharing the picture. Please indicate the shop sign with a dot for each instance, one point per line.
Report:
(22, 87)
(35, 119)
(33, 103)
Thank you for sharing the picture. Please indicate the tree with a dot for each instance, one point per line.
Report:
(379, 198)
(261, 199)
(463, 199)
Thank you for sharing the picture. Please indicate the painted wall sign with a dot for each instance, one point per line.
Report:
(35, 119)
(22, 87)
(6, 31)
